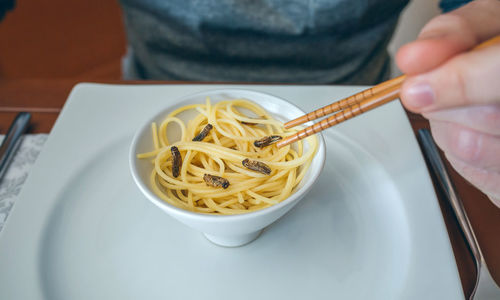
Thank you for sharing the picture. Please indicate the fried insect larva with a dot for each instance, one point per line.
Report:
(266, 141)
(203, 133)
(215, 181)
(176, 161)
(256, 166)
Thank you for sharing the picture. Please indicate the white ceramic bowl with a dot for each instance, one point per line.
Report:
(232, 230)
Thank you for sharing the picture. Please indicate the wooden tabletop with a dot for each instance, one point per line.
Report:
(44, 98)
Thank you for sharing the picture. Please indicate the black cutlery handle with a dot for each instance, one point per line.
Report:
(11, 140)
(443, 179)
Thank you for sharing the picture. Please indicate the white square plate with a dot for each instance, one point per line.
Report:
(371, 228)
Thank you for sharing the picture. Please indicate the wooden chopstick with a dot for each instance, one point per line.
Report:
(346, 102)
(346, 114)
(354, 105)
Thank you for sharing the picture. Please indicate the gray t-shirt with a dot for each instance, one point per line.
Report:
(291, 41)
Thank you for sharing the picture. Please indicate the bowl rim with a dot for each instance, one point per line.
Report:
(169, 208)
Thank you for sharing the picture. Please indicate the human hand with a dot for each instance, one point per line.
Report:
(459, 91)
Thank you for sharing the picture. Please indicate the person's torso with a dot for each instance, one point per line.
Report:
(315, 41)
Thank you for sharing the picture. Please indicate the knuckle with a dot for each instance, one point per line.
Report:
(450, 83)
(454, 20)
(448, 21)
(458, 78)
(465, 144)
(490, 116)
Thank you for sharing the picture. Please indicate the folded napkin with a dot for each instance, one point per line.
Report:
(17, 172)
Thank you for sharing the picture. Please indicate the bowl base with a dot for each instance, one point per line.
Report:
(233, 240)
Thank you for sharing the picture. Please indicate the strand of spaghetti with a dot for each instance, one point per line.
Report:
(261, 198)
(237, 206)
(163, 130)
(213, 120)
(270, 185)
(204, 161)
(254, 132)
(174, 197)
(279, 155)
(236, 130)
(196, 125)
(185, 164)
(199, 172)
(184, 108)
(290, 183)
(228, 202)
(300, 147)
(165, 164)
(154, 130)
(272, 126)
(160, 194)
(299, 161)
(180, 195)
(302, 173)
(149, 154)
(190, 200)
(240, 198)
(202, 111)
(257, 110)
(208, 105)
(210, 203)
(215, 138)
(240, 118)
(231, 136)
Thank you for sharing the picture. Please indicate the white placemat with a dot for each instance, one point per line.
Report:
(17, 172)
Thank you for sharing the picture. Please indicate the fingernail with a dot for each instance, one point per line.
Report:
(419, 95)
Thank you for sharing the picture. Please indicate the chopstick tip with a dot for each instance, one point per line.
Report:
(288, 125)
(294, 122)
(281, 144)
(287, 141)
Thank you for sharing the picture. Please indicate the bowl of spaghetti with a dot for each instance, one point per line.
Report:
(210, 160)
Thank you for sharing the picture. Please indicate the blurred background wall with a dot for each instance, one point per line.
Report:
(414, 17)
(62, 39)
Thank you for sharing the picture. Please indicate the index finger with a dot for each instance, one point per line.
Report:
(448, 35)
